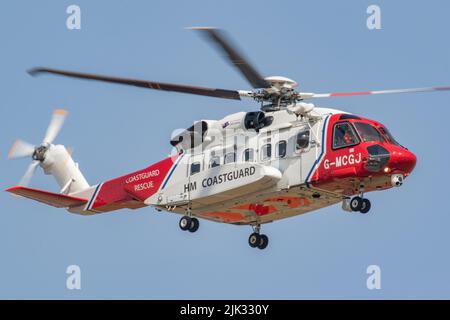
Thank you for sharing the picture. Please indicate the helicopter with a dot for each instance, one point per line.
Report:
(249, 168)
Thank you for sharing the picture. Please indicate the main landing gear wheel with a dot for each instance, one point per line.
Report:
(185, 223)
(365, 207)
(263, 241)
(257, 240)
(254, 240)
(194, 225)
(189, 224)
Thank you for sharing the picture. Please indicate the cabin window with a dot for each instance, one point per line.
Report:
(344, 135)
(249, 155)
(266, 152)
(230, 157)
(214, 162)
(281, 149)
(302, 141)
(367, 132)
(195, 168)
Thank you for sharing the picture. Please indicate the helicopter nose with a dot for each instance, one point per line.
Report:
(404, 161)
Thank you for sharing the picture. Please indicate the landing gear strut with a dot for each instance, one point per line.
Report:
(257, 240)
(360, 204)
(189, 224)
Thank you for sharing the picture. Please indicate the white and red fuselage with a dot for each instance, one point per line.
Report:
(225, 172)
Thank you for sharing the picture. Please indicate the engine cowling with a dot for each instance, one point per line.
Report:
(254, 120)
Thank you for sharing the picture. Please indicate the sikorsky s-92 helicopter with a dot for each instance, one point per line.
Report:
(249, 168)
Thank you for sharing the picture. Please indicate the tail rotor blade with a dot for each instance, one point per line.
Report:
(59, 115)
(25, 181)
(20, 149)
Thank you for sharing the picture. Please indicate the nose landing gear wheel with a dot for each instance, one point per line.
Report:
(356, 203)
(365, 207)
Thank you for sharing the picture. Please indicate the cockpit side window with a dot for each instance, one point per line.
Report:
(367, 132)
(344, 135)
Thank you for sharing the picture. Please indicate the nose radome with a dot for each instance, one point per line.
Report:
(405, 160)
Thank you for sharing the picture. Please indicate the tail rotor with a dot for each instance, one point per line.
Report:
(22, 149)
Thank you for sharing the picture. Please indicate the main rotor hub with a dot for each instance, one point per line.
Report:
(280, 82)
(280, 94)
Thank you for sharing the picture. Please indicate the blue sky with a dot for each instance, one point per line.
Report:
(324, 45)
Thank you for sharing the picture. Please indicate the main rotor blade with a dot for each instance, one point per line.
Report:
(362, 93)
(203, 91)
(59, 115)
(20, 149)
(218, 37)
(25, 181)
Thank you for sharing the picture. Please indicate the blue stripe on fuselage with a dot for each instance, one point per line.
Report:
(171, 171)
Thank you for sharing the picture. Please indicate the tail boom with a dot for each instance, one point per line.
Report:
(131, 190)
(128, 191)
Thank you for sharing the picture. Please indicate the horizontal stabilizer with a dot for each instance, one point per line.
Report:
(53, 199)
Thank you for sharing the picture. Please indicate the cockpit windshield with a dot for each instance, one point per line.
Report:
(368, 132)
(389, 136)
